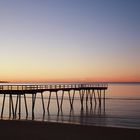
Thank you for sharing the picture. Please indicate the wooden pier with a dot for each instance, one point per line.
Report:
(90, 92)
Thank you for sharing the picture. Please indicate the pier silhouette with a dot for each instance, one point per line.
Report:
(90, 92)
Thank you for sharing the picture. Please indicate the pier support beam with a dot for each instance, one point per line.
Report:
(26, 108)
(62, 100)
(99, 97)
(104, 101)
(94, 97)
(70, 100)
(19, 96)
(91, 97)
(16, 105)
(73, 98)
(9, 106)
(49, 101)
(3, 105)
(43, 103)
(12, 105)
(87, 93)
(81, 92)
(57, 100)
(33, 104)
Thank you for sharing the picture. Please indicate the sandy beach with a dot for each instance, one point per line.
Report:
(33, 130)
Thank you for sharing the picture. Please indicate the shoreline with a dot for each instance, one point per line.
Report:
(37, 130)
(71, 123)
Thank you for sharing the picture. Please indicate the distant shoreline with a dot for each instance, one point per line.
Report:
(108, 82)
(4, 82)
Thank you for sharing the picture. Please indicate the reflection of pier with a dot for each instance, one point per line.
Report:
(90, 92)
(87, 115)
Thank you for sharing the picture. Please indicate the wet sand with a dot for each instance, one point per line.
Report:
(32, 130)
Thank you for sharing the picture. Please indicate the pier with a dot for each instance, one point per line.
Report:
(90, 92)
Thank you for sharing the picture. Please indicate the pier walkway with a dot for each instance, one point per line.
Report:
(91, 92)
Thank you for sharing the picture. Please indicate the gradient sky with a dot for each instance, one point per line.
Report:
(70, 40)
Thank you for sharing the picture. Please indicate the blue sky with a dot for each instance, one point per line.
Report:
(70, 40)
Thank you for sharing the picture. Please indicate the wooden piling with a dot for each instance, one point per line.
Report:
(3, 105)
(16, 105)
(62, 100)
(57, 100)
(43, 103)
(26, 108)
(19, 96)
(49, 101)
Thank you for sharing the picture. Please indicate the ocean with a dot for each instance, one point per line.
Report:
(122, 108)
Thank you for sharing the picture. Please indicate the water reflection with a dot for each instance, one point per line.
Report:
(83, 116)
(72, 115)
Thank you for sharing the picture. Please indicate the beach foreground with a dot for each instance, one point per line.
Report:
(33, 130)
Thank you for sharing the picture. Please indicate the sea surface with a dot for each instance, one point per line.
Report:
(122, 108)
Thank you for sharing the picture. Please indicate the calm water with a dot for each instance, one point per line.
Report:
(122, 108)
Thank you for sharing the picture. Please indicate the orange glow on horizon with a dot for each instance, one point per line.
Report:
(88, 79)
(71, 47)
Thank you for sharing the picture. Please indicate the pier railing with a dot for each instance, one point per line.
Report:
(52, 86)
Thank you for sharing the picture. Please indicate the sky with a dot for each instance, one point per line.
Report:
(69, 40)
